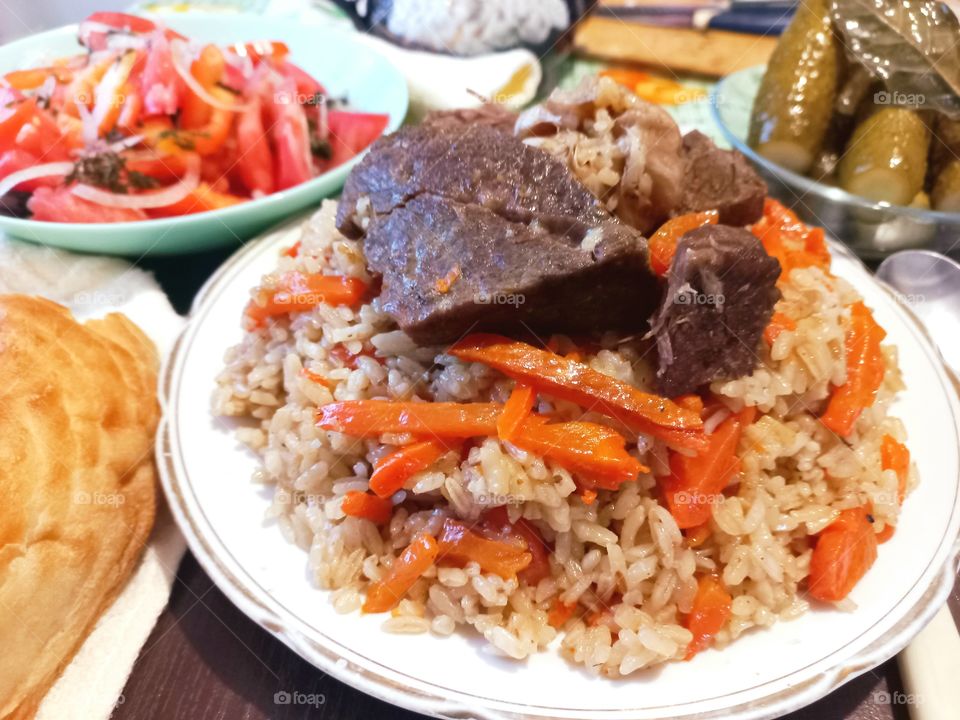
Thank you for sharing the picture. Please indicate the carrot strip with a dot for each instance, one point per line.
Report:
(595, 452)
(694, 483)
(588, 496)
(413, 562)
(515, 411)
(317, 378)
(786, 238)
(778, 324)
(895, 456)
(370, 507)
(461, 545)
(560, 613)
(865, 370)
(711, 609)
(663, 243)
(845, 550)
(393, 471)
(298, 292)
(495, 523)
(372, 418)
(576, 382)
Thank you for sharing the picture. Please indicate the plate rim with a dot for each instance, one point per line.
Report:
(254, 602)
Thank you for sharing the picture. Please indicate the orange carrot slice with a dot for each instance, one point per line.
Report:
(413, 562)
(370, 507)
(710, 612)
(459, 544)
(845, 550)
(298, 292)
(393, 471)
(515, 411)
(865, 370)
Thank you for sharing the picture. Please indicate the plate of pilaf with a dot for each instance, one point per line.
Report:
(558, 415)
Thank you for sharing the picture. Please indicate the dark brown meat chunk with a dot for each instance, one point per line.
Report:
(715, 179)
(720, 296)
(472, 229)
(471, 165)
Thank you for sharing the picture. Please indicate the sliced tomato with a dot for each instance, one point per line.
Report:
(160, 86)
(42, 137)
(94, 32)
(207, 69)
(61, 205)
(15, 160)
(293, 162)
(351, 133)
(306, 85)
(255, 159)
(14, 114)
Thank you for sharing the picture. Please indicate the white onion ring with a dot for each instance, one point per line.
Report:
(159, 198)
(123, 144)
(179, 53)
(32, 173)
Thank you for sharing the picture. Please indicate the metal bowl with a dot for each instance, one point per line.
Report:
(872, 230)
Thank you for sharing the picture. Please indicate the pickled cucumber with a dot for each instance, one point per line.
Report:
(945, 195)
(886, 157)
(796, 97)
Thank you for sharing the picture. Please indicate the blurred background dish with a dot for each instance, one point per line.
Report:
(349, 70)
(857, 116)
(872, 229)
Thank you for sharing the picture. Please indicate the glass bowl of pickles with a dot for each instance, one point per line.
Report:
(855, 122)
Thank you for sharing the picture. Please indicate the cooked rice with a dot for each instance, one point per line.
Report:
(622, 558)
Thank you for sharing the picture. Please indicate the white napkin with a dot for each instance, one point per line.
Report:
(92, 286)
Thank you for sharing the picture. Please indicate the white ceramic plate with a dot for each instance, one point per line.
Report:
(764, 674)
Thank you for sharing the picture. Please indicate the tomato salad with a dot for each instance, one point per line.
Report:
(147, 123)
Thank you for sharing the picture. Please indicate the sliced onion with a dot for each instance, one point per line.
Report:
(180, 54)
(159, 198)
(127, 142)
(32, 173)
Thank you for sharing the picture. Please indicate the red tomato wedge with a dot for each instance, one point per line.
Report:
(60, 205)
(352, 132)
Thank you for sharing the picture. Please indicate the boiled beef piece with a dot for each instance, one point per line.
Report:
(719, 298)
(716, 179)
(472, 229)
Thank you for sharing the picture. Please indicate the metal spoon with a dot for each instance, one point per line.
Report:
(930, 665)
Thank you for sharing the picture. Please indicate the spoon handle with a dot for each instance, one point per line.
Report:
(930, 667)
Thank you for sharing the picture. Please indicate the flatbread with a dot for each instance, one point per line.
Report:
(78, 413)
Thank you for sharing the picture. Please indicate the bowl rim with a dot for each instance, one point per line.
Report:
(266, 202)
(808, 185)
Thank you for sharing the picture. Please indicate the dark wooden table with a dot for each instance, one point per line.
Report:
(206, 661)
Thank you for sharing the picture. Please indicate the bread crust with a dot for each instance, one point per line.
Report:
(78, 414)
